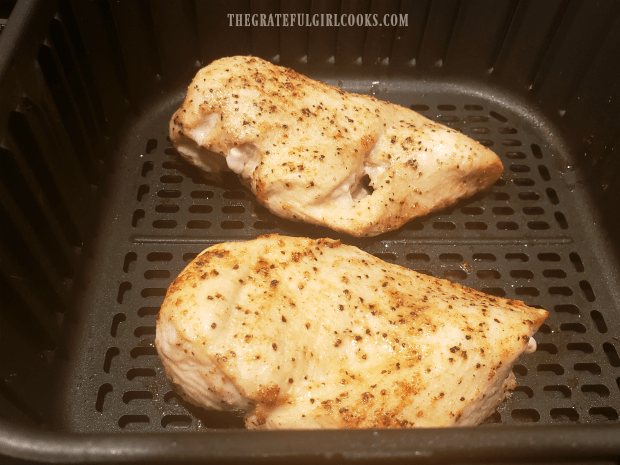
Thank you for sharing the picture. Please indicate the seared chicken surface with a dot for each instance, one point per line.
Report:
(300, 333)
(316, 153)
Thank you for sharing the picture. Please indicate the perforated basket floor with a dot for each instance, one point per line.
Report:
(522, 239)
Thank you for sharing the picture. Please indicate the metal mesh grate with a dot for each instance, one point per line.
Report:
(515, 240)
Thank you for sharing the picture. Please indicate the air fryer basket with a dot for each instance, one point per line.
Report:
(99, 214)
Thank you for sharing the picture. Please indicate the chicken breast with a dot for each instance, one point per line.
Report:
(300, 333)
(316, 153)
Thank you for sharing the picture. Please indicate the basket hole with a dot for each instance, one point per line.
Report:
(587, 291)
(176, 421)
(233, 209)
(507, 226)
(498, 117)
(414, 225)
(478, 130)
(576, 261)
(104, 390)
(164, 224)
(143, 352)
(142, 191)
(142, 331)
(552, 195)
(116, 322)
(418, 257)
(538, 225)
(558, 274)
(525, 415)
(548, 257)
(171, 151)
(592, 368)
(172, 165)
(159, 257)
(493, 418)
(488, 274)
(188, 257)
(499, 196)
(426, 272)
(478, 119)
(169, 193)
(544, 329)
(561, 220)
(172, 397)
(527, 391)
(564, 414)
(449, 119)
(523, 182)
(200, 209)
(599, 321)
(198, 224)
(451, 257)
(131, 396)
(486, 142)
(512, 143)
(132, 420)
(147, 311)
(599, 390)
(201, 194)
(503, 211)
(109, 356)
(140, 373)
(519, 168)
(519, 370)
(515, 155)
(573, 327)
(419, 107)
(138, 216)
(171, 179)
(550, 367)
(232, 225)
(533, 210)
(483, 257)
(151, 145)
(123, 288)
(457, 275)
(444, 225)
(473, 107)
(536, 151)
(604, 413)
(147, 167)
(446, 107)
(507, 130)
(266, 224)
(153, 292)
(583, 347)
(527, 291)
(156, 274)
(496, 291)
(547, 347)
(166, 208)
(567, 308)
(234, 195)
(544, 173)
(521, 274)
(559, 391)
(528, 196)
(472, 210)
(388, 257)
(612, 354)
(130, 262)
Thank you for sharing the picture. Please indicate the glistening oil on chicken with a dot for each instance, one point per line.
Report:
(315, 153)
(301, 333)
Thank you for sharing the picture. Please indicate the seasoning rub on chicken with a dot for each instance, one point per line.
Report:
(300, 333)
(316, 153)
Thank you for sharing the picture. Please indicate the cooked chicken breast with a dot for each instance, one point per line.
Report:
(316, 153)
(300, 333)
